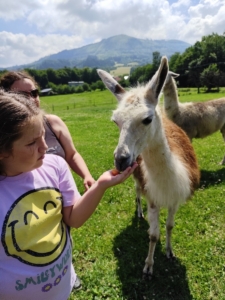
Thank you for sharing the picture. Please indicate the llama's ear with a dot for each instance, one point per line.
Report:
(169, 76)
(172, 74)
(156, 83)
(111, 84)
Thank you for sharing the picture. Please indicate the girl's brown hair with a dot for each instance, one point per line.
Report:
(15, 112)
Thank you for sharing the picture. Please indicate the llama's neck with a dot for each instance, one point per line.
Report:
(171, 101)
(164, 169)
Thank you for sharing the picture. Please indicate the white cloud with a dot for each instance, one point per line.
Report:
(205, 8)
(12, 10)
(56, 25)
(205, 18)
(17, 49)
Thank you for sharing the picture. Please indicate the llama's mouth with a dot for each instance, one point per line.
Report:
(122, 163)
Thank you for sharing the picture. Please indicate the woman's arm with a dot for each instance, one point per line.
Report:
(76, 215)
(73, 157)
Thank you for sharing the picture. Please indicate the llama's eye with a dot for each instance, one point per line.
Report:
(147, 120)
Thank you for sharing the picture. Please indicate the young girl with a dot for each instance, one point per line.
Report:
(57, 136)
(39, 201)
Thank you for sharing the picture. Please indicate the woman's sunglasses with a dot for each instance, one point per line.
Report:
(32, 94)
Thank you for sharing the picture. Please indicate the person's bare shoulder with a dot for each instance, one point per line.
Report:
(53, 119)
(58, 126)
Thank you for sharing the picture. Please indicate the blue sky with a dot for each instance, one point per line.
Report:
(30, 30)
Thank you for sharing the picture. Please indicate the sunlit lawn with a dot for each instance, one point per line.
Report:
(110, 249)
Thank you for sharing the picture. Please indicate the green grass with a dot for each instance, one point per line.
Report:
(192, 96)
(110, 248)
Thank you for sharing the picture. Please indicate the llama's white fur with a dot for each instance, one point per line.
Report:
(167, 173)
(197, 119)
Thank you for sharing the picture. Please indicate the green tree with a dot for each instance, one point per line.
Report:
(86, 75)
(100, 85)
(51, 73)
(210, 77)
(79, 89)
(174, 62)
(213, 47)
(63, 76)
(93, 86)
(190, 64)
(86, 87)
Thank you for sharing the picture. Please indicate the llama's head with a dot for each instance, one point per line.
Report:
(135, 115)
(170, 78)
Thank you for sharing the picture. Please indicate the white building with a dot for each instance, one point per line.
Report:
(75, 83)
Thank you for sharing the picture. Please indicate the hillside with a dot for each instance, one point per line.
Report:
(120, 49)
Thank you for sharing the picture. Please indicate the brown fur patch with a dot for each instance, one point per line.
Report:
(131, 100)
(138, 174)
(180, 144)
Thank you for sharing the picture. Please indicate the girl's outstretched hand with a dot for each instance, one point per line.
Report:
(75, 215)
(113, 177)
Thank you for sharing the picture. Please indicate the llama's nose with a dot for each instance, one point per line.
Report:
(122, 162)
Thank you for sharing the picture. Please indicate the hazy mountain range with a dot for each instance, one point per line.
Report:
(120, 49)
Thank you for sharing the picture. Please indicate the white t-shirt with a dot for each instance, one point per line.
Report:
(35, 248)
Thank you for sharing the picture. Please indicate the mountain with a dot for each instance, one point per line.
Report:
(120, 49)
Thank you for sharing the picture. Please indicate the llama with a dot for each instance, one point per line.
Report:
(197, 119)
(168, 171)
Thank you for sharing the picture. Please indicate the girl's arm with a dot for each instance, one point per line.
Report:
(73, 157)
(76, 215)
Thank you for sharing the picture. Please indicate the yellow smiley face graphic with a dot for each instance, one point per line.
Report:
(33, 230)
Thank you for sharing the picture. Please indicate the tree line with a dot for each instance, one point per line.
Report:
(58, 80)
(201, 65)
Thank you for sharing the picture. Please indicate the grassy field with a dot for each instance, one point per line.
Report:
(120, 71)
(110, 248)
